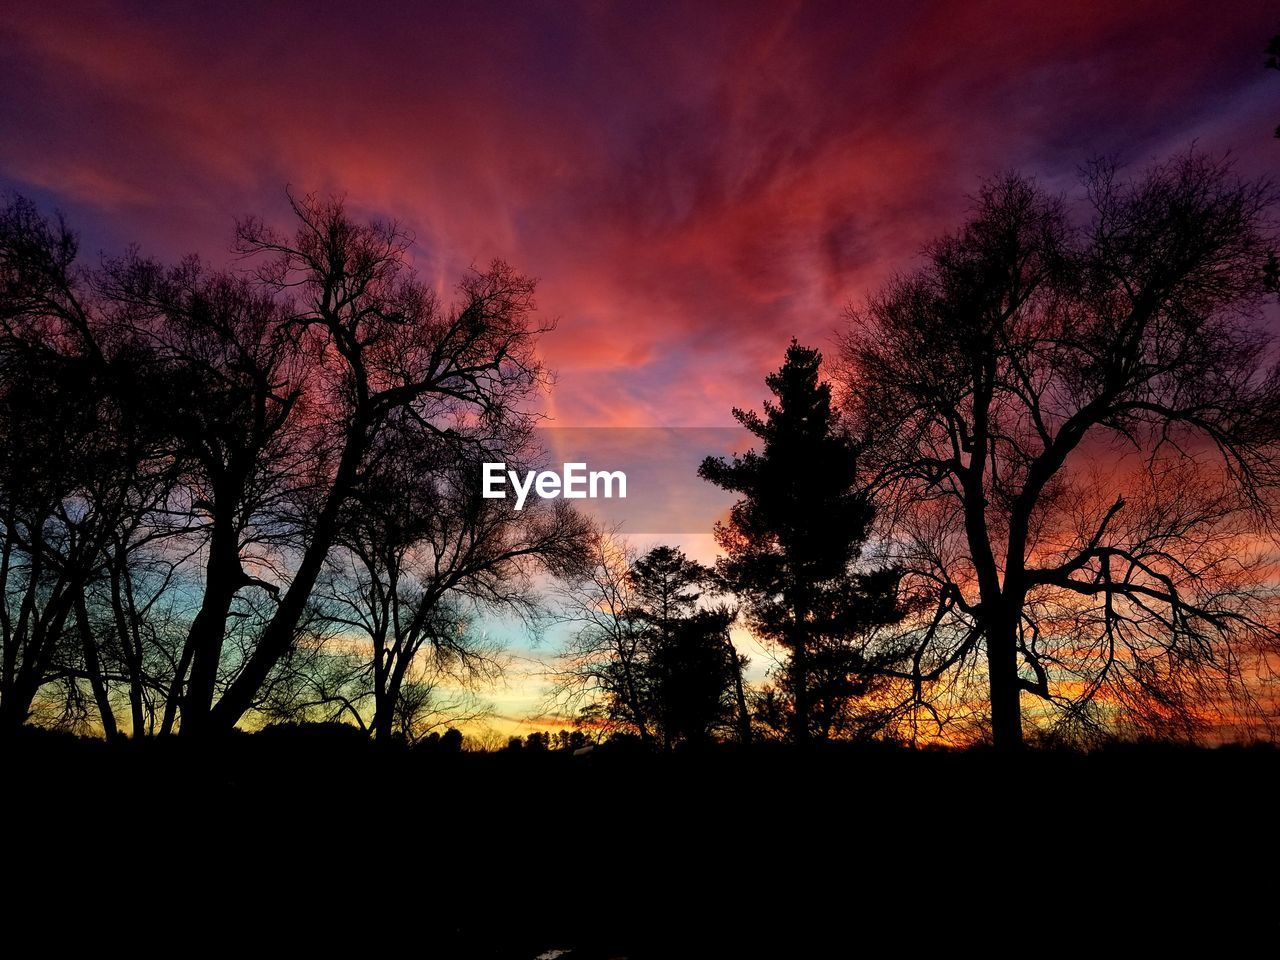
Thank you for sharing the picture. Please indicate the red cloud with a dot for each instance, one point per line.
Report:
(692, 187)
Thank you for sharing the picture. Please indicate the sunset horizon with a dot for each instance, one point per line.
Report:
(629, 480)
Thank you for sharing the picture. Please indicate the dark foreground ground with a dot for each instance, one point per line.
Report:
(304, 844)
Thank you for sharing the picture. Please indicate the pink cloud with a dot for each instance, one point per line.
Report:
(693, 187)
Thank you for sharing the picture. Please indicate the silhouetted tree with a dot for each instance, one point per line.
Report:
(395, 353)
(227, 385)
(322, 679)
(76, 475)
(693, 674)
(451, 740)
(185, 447)
(537, 742)
(696, 680)
(133, 618)
(793, 543)
(51, 544)
(421, 552)
(647, 657)
(570, 740)
(601, 674)
(1078, 431)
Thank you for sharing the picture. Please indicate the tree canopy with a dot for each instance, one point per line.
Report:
(1076, 436)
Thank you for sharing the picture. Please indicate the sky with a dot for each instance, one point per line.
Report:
(693, 184)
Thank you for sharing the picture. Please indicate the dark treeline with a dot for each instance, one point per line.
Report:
(1031, 496)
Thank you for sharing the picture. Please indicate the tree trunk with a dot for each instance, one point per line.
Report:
(384, 713)
(1002, 671)
(740, 696)
(174, 698)
(21, 692)
(639, 714)
(12, 714)
(205, 639)
(281, 632)
(126, 618)
(385, 692)
(137, 708)
(93, 667)
(31, 674)
(278, 637)
(799, 677)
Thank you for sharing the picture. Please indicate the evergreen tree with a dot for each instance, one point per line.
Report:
(693, 674)
(652, 656)
(793, 543)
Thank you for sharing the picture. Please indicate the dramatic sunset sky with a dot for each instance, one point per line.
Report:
(693, 184)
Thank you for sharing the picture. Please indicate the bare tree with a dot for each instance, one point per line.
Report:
(175, 433)
(1077, 432)
(600, 676)
(323, 678)
(131, 618)
(226, 384)
(421, 553)
(77, 466)
(392, 351)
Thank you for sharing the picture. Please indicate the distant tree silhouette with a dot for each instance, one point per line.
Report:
(483, 739)
(1077, 436)
(694, 674)
(793, 543)
(421, 552)
(647, 658)
(537, 742)
(602, 671)
(546, 741)
(451, 740)
(570, 740)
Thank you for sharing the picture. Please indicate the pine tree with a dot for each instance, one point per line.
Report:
(793, 543)
(693, 674)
